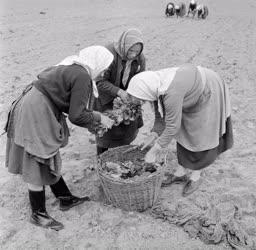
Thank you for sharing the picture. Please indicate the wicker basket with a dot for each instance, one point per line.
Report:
(132, 195)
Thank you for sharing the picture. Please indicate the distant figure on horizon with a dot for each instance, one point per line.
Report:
(192, 8)
(202, 11)
(180, 10)
(170, 9)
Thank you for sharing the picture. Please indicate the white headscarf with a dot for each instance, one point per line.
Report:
(95, 59)
(150, 85)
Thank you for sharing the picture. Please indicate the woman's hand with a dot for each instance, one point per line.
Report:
(123, 95)
(106, 121)
(149, 140)
(156, 154)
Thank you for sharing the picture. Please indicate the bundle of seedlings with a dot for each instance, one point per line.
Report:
(121, 112)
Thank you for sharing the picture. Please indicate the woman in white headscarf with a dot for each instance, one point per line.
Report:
(36, 127)
(195, 105)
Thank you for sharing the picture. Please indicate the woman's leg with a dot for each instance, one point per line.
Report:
(39, 216)
(35, 188)
(195, 175)
(180, 171)
(193, 183)
(67, 200)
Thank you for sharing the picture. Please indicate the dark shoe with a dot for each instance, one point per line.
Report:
(172, 179)
(43, 219)
(67, 200)
(70, 201)
(39, 216)
(191, 186)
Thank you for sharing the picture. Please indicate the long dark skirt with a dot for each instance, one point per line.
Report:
(202, 159)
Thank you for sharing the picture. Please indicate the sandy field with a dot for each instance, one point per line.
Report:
(38, 34)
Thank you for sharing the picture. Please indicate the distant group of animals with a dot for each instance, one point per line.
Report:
(193, 9)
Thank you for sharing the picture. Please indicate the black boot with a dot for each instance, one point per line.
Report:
(39, 216)
(67, 200)
(101, 150)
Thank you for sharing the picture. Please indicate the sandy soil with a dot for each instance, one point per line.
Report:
(225, 42)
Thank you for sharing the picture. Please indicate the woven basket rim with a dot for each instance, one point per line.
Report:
(138, 180)
(131, 180)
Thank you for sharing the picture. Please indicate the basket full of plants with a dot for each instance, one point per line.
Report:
(127, 180)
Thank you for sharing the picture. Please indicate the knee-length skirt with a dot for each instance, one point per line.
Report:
(35, 168)
(206, 129)
(201, 159)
